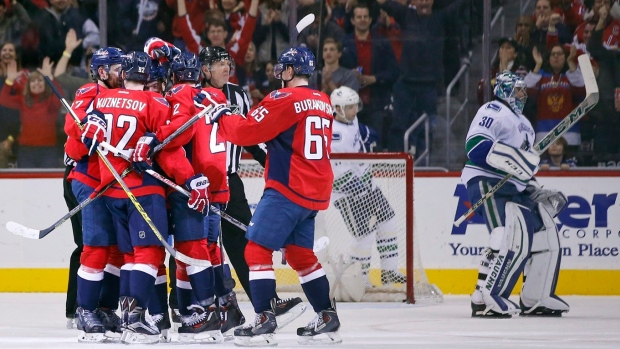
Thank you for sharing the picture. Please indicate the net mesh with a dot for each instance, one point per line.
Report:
(366, 258)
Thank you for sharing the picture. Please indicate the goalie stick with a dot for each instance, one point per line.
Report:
(571, 119)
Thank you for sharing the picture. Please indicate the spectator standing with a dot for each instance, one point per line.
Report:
(388, 28)
(271, 34)
(333, 75)
(549, 27)
(9, 118)
(38, 109)
(605, 116)
(558, 86)
(196, 15)
(13, 20)
(415, 92)
(371, 57)
(53, 23)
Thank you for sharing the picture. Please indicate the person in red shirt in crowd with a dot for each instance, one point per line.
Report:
(549, 27)
(611, 31)
(195, 10)
(558, 86)
(571, 12)
(217, 33)
(9, 118)
(389, 28)
(295, 123)
(38, 111)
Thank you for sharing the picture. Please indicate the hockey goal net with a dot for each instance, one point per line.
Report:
(372, 253)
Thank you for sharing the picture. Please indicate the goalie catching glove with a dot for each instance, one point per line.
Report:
(198, 198)
(552, 200)
(94, 130)
(219, 109)
(141, 156)
(517, 162)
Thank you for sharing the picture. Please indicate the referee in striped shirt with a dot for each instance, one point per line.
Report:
(233, 238)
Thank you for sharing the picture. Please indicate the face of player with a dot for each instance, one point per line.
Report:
(350, 111)
(217, 35)
(155, 86)
(37, 85)
(8, 53)
(361, 19)
(287, 74)
(330, 53)
(557, 58)
(113, 77)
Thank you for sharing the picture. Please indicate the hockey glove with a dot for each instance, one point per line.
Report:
(552, 200)
(141, 156)
(198, 198)
(203, 99)
(93, 132)
(160, 50)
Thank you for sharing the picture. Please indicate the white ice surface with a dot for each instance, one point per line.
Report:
(36, 320)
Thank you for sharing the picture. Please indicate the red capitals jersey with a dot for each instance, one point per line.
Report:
(205, 148)
(296, 125)
(129, 115)
(611, 35)
(87, 168)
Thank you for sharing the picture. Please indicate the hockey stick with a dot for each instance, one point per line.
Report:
(174, 253)
(30, 233)
(571, 119)
(304, 23)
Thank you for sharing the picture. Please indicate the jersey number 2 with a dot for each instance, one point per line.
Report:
(315, 140)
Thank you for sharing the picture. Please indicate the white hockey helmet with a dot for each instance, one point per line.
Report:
(343, 96)
(511, 88)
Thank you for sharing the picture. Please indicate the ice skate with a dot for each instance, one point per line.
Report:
(541, 310)
(260, 333)
(203, 326)
(322, 330)
(139, 329)
(287, 310)
(492, 307)
(392, 277)
(230, 315)
(90, 326)
(162, 321)
(111, 322)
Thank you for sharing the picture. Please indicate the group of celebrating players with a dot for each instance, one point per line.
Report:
(129, 107)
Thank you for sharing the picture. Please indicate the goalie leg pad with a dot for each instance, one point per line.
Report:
(519, 163)
(541, 275)
(355, 215)
(509, 247)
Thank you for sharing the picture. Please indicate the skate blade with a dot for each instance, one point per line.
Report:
(113, 336)
(327, 338)
(84, 337)
(129, 337)
(261, 340)
(164, 337)
(202, 337)
(289, 316)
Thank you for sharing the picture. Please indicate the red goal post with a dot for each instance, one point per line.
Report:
(356, 229)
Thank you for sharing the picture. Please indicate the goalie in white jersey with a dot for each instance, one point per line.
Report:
(356, 195)
(519, 216)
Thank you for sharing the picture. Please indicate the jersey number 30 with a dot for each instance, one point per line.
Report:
(315, 140)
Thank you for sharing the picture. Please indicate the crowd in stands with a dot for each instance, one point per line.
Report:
(397, 54)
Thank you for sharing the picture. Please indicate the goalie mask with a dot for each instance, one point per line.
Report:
(344, 100)
(510, 88)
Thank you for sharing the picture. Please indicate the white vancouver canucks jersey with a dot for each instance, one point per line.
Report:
(497, 122)
(346, 138)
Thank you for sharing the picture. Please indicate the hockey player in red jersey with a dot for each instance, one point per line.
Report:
(295, 123)
(127, 114)
(99, 272)
(199, 317)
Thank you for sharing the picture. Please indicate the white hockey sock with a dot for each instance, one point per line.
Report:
(387, 245)
(360, 252)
